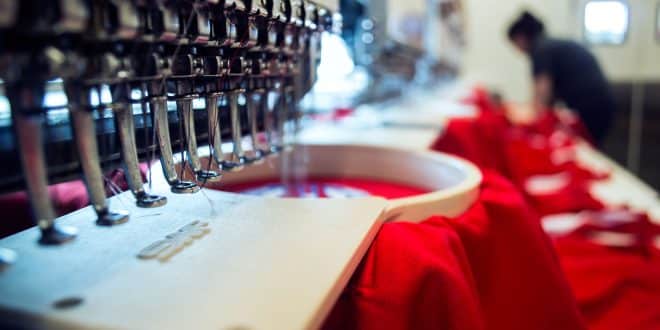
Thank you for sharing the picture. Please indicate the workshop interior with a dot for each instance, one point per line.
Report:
(330, 164)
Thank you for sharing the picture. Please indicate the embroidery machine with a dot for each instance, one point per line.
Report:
(142, 65)
(174, 80)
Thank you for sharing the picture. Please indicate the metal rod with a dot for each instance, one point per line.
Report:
(158, 107)
(215, 134)
(262, 108)
(126, 131)
(238, 156)
(269, 125)
(186, 114)
(85, 136)
(288, 107)
(254, 100)
(28, 131)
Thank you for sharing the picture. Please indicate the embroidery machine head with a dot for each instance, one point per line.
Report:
(146, 79)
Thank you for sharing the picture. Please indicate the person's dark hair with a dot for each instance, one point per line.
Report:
(527, 25)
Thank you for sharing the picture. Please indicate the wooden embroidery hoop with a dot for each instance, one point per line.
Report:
(453, 182)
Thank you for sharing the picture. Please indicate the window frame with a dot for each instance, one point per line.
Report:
(656, 30)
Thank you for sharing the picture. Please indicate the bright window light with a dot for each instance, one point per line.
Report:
(606, 22)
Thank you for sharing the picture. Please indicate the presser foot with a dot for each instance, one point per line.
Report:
(267, 153)
(111, 218)
(210, 176)
(257, 158)
(7, 258)
(233, 166)
(184, 187)
(276, 150)
(145, 200)
(57, 235)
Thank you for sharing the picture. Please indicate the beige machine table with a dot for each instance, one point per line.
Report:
(229, 262)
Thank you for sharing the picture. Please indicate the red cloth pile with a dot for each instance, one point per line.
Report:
(615, 278)
(520, 153)
(616, 287)
(490, 268)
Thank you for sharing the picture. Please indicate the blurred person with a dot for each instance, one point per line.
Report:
(565, 71)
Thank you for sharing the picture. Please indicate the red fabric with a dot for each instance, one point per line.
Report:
(334, 116)
(550, 121)
(616, 285)
(413, 277)
(519, 152)
(482, 99)
(620, 221)
(66, 197)
(638, 231)
(477, 140)
(546, 123)
(490, 268)
(530, 154)
(615, 288)
(573, 197)
(373, 187)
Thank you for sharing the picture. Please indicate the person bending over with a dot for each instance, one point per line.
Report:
(565, 71)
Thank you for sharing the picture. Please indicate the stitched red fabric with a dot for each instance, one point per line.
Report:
(372, 187)
(491, 268)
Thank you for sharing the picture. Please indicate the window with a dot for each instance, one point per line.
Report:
(606, 22)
